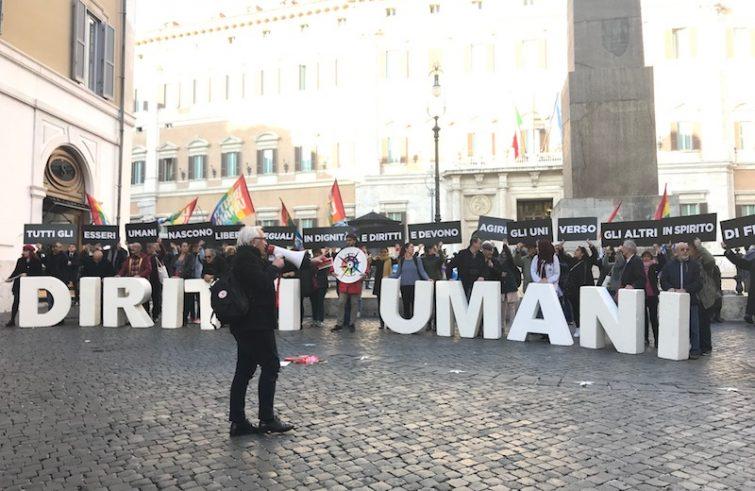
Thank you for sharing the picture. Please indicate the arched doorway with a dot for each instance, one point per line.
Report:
(65, 187)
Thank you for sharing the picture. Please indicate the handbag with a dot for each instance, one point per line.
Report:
(162, 271)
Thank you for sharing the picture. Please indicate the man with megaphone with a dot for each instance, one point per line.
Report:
(255, 276)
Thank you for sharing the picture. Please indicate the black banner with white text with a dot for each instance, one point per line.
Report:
(576, 229)
(99, 234)
(374, 236)
(644, 233)
(739, 232)
(50, 233)
(688, 228)
(493, 228)
(143, 233)
(191, 233)
(529, 232)
(433, 233)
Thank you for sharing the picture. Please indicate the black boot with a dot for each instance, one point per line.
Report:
(243, 428)
(275, 425)
(11, 323)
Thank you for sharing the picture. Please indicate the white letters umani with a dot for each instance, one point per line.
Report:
(553, 323)
(205, 308)
(423, 306)
(172, 315)
(601, 319)
(289, 313)
(673, 326)
(90, 302)
(484, 306)
(28, 307)
(623, 325)
(123, 299)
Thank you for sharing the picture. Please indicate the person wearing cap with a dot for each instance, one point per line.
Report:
(26, 265)
(349, 295)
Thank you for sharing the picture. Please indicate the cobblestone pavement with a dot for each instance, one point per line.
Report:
(125, 408)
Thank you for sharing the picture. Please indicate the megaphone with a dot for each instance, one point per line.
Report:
(294, 257)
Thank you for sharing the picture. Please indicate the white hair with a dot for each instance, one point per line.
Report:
(248, 233)
(630, 244)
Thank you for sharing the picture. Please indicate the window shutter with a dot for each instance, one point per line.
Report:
(470, 144)
(161, 170)
(382, 64)
(405, 156)
(669, 44)
(384, 150)
(730, 43)
(693, 42)
(223, 164)
(696, 136)
(191, 167)
(205, 164)
(492, 144)
(673, 144)
(108, 84)
(275, 160)
(703, 208)
(737, 135)
(259, 162)
(78, 68)
(297, 159)
(313, 156)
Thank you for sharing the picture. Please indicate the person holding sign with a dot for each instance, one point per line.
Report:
(579, 275)
(652, 265)
(470, 264)
(708, 292)
(26, 265)
(682, 275)
(410, 270)
(749, 266)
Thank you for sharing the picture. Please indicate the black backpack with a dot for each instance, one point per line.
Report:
(229, 301)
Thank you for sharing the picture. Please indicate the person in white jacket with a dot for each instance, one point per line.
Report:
(545, 267)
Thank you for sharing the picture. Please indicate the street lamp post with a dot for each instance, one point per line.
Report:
(435, 109)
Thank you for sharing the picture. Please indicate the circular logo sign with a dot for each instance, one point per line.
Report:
(222, 294)
(350, 265)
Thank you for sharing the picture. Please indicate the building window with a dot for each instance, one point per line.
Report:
(684, 136)
(687, 209)
(93, 57)
(266, 34)
(470, 145)
(197, 167)
(745, 210)
(229, 164)
(528, 3)
(307, 222)
(270, 222)
(533, 209)
(305, 159)
(390, 12)
(399, 216)
(266, 160)
(341, 21)
(137, 172)
(394, 150)
(303, 27)
(302, 77)
(434, 8)
(744, 135)
(683, 40)
(167, 169)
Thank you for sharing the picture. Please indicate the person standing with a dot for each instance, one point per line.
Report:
(523, 260)
(470, 265)
(747, 266)
(57, 268)
(434, 261)
(681, 275)
(410, 270)
(255, 334)
(633, 274)
(153, 254)
(382, 265)
(349, 294)
(578, 275)
(137, 265)
(182, 266)
(26, 265)
(545, 267)
(97, 266)
(213, 266)
(511, 279)
(73, 263)
(320, 266)
(651, 266)
(708, 293)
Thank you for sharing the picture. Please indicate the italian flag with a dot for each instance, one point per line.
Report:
(517, 142)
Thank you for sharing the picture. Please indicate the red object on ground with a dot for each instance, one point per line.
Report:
(303, 359)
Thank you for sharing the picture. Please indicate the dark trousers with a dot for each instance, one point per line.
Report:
(254, 348)
(157, 299)
(706, 315)
(317, 300)
(651, 318)
(190, 309)
(407, 301)
(573, 301)
(14, 309)
(380, 316)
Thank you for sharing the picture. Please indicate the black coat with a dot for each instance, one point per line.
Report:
(32, 267)
(187, 270)
(633, 274)
(579, 275)
(469, 266)
(742, 263)
(256, 276)
(377, 267)
(57, 266)
(216, 268)
(91, 269)
(686, 275)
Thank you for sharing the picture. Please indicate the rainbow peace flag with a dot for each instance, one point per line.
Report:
(288, 221)
(182, 216)
(98, 216)
(234, 206)
(664, 207)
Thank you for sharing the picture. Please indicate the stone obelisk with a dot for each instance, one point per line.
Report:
(609, 147)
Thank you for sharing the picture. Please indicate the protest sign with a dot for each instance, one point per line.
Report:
(317, 237)
(191, 233)
(142, 232)
(99, 234)
(689, 228)
(739, 232)
(280, 236)
(643, 232)
(493, 228)
(530, 231)
(49, 233)
(432, 233)
(374, 236)
(574, 229)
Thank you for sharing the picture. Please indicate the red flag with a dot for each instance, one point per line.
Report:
(337, 211)
(515, 145)
(615, 212)
(664, 209)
